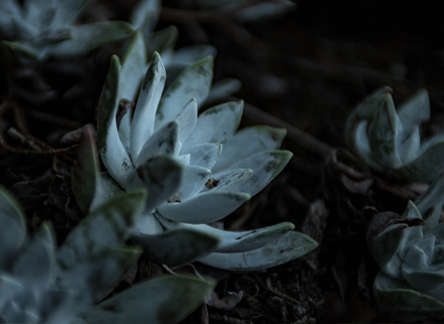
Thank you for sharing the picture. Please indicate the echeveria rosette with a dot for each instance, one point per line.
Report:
(45, 28)
(196, 169)
(410, 256)
(41, 283)
(389, 141)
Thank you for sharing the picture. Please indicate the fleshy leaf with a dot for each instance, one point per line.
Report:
(364, 111)
(410, 148)
(11, 218)
(414, 112)
(362, 145)
(104, 228)
(148, 224)
(112, 265)
(26, 51)
(35, 12)
(384, 131)
(228, 179)
(428, 164)
(10, 14)
(194, 179)
(187, 120)
(87, 37)
(158, 301)
(36, 264)
(237, 241)
(191, 54)
(395, 297)
(288, 247)
(427, 282)
(124, 127)
(203, 155)
(385, 247)
(249, 141)
(217, 124)
(69, 10)
(162, 175)
(223, 89)
(204, 208)
(431, 202)
(162, 142)
(144, 15)
(134, 67)
(178, 246)
(85, 177)
(162, 41)
(193, 82)
(95, 277)
(265, 165)
(113, 153)
(149, 97)
(10, 287)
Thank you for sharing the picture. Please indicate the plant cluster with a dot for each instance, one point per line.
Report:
(409, 252)
(173, 168)
(43, 283)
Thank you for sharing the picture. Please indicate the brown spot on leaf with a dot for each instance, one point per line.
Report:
(211, 183)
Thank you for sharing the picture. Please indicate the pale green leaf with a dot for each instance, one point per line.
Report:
(113, 153)
(177, 246)
(193, 82)
(134, 67)
(398, 299)
(163, 142)
(162, 176)
(161, 300)
(217, 124)
(86, 37)
(249, 141)
(265, 165)
(288, 247)
(12, 219)
(106, 227)
(147, 102)
(204, 208)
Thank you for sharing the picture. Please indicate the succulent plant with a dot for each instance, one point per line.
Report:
(44, 28)
(389, 141)
(196, 169)
(40, 283)
(409, 251)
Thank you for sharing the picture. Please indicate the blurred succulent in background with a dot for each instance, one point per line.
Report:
(409, 251)
(197, 169)
(246, 11)
(45, 28)
(40, 283)
(144, 18)
(389, 141)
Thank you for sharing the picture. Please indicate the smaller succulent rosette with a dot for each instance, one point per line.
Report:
(196, 168)
(409, 252)
(45, 28)
(389, 141)
(45, 284)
